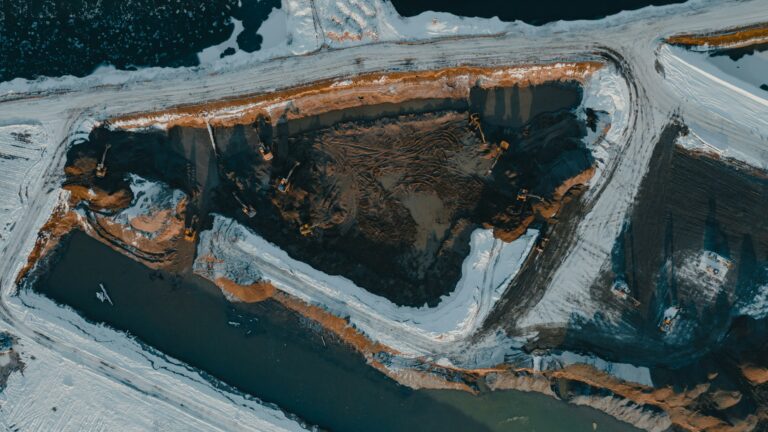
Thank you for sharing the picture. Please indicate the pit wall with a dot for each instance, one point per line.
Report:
(368, 89)
(732, 38)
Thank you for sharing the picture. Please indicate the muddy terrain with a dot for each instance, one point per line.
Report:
(386, 195)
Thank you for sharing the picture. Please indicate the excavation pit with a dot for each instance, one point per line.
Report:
(386, 195)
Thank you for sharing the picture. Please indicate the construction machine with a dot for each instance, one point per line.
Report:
(101, 168)
(522, 195)
(474, 122)
(670, 315)
(247, 209)
(284, 184)
(542, 244)
(265, 152)
(503, 146)
(306, 229)
(190, 232)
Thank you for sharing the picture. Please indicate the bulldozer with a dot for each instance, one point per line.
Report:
(284, 185)
(101, 168)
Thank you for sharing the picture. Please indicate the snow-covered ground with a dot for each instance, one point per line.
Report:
(100, 379)
(245, 258)
(723, 111)
(752, 68)
(22, 147)
(56, 111)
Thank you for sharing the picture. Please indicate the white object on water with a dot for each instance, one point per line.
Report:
(103, 296)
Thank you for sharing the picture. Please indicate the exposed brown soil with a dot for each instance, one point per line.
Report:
(61, 222)
(682, 406)
(253, 293)
(391, 203)
(99, 199)
(732, 38)
(755, 374)
(367, 89)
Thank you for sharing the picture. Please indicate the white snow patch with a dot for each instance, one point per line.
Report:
(212, 54)
(757, 306)
(748, 72)
(723, 111)
(148, 197)
(605, 91)
(706, 270)
(692, 141)
(274, 30)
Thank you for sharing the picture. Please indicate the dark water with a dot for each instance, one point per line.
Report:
(536, 13)
(73, 37)
(271, 353)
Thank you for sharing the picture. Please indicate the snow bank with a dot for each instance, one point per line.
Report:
(605, 91)
(624, 371)
(245, 257)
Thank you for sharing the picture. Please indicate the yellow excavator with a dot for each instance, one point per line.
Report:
(284, 184)
(474, 122)
(247, 209)
(190, 233)
(266, 154)
(101, 168)
(503, 146)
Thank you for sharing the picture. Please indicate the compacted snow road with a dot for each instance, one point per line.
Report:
(660, 84)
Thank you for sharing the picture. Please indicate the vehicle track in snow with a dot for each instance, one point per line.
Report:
(656, 98)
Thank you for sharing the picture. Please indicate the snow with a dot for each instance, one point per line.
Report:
(605, 91)
(244, 257)
(274, 30)
(757, 305)
(724, 112)
(100, 379)
(693, 142)
(21, 151)
(434, 24)
(148, 197)
(213, 53)
(721, 111)
(750, 69)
